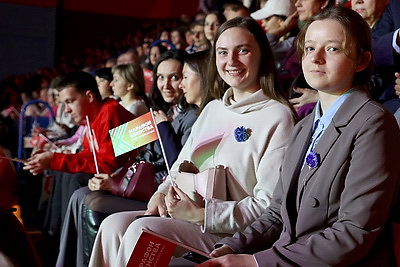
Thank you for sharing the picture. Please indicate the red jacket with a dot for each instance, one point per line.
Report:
(111, 115)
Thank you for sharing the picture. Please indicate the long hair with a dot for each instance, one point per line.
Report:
(267, 74)
(198, 62)
(155, 98)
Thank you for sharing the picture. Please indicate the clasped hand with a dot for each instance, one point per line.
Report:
(181, 206)
(178, 205)
(100, 182)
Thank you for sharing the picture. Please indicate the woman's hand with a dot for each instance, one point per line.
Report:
(159, 116)
(156, 205)
(181, 207)
(100, 182)
(308, 96)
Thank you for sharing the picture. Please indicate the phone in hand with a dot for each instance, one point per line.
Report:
(195, 257)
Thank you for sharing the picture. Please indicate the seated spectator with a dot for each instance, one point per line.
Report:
(128, 85)
(235, 8)
(128, 57)
(212, 22)
(200, 41)
(103, 78)
(239, 59)
(154, 54)
(178, 38)
(82, 99)
(290, 70)
(328, 209)
(386, 47)
(166, 98)
(274, 16)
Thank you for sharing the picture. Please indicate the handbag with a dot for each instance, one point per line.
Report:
(135, 180)
(210, 183)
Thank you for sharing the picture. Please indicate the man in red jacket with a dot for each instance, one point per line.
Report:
(82, 98)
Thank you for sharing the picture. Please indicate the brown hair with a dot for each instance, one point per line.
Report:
(132, 73)
(357, 37)
(267, 73)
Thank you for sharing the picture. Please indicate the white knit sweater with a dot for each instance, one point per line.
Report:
(254, 163)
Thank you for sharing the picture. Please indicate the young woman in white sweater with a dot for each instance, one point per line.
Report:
(245, 129)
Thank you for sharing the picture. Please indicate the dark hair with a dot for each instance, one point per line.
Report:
(221, 18)
(235, 5)
(199, 22)
(155, 98)
(357, 37)
(82, 82)
(198, 62)
(267, 74)
(162, 49)
(104, 73)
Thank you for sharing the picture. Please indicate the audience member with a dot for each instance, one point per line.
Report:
(103, 78)
(178, 38)
(240, 59)
(82, 98)
(128, 57)
(303, 97)
(386, 47)
(212, 22)
(235, 8)
(128, 85)
(154, 54)
(279, 18)
(200, 41)
(168, 99)
(328, 209)
(370, 10)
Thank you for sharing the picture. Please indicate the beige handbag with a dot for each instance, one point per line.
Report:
(210, 183)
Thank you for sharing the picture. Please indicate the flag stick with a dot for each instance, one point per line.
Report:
(48, 141)
(92, 145)
(14, 159)
(162, 147)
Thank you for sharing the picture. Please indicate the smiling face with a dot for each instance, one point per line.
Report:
(120, 85)
(238, 59)
(309, 8)
(326, 67)
(169, 76)
(190, 85)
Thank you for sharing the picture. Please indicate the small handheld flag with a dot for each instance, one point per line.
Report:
(136, 133)
(92, 144)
